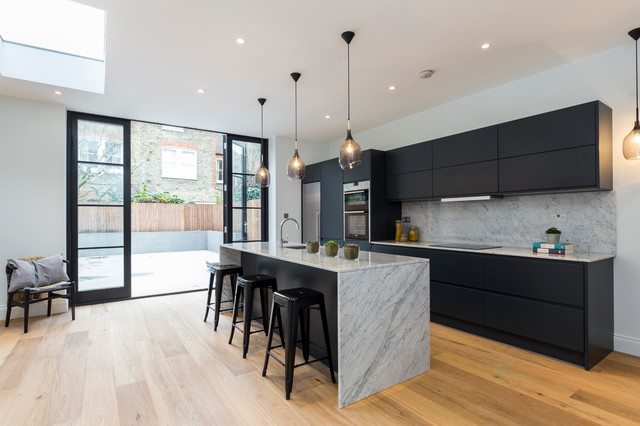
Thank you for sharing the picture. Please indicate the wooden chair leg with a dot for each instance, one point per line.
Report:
(49, 300)
(27, 300)
(9, 306)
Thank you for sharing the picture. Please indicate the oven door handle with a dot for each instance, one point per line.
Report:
(358, 191)
(355, 212)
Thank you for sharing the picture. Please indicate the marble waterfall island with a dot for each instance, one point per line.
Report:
(377, 308)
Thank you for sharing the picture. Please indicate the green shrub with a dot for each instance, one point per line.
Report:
(144, 196)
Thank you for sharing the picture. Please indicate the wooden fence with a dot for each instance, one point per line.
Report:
(158, 217)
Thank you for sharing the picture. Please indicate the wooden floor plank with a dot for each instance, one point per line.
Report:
(155, 361)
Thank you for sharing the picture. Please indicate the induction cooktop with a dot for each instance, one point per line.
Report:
(465, 246)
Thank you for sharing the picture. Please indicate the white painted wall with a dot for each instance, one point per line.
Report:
(33, 192)
(607, 76)
(285, 196)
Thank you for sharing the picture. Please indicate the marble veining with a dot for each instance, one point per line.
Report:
(383, 336)
(519, 221)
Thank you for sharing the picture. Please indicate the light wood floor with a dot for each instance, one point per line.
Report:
(155, 361)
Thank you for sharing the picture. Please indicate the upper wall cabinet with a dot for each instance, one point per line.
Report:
(563, 150)
(408, 171)
(312, 173)
(464, 148)
(412, 158)
(361, 172)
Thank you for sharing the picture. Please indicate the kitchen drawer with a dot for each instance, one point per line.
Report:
(469, 147)
(403, 251)
(553, 281)
(458, 302)
(408, 186)
(557, 325)
(469, 179)
(455, 267)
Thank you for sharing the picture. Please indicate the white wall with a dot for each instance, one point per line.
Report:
(32, 184)
(285, 196)
(607, 76)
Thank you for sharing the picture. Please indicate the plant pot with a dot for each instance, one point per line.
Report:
(313, 247)
(331, 251)
(351, 251)
(553, 238)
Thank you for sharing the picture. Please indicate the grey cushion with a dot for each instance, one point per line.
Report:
(49, 270)
(23, 275)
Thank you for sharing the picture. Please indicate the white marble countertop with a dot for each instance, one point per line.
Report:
(366, 260)
(505, 251)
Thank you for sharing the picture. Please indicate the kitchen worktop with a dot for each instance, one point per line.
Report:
(366, 260)
(505, 251)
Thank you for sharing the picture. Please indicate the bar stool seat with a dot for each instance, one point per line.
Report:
(297, 303)
(218, 272)
(246, 286)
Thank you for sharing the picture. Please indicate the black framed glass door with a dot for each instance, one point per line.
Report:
(99, 206)
(245, 201)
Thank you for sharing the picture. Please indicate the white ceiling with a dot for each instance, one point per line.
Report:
(160, 52)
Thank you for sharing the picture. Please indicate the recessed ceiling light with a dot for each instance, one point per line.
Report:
(327, 117)
(200, 90)
(240, 40)
(485, 45)
(57, 92)
(392, 87)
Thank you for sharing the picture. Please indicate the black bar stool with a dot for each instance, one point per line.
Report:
(246, 285)
(297, 303)
(218, 272)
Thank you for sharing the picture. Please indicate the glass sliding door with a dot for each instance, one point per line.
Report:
(99, 206)
(245, 201)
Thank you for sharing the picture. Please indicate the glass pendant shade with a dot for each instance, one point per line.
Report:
(350, 153)
(296, 168)
(263, 177)
(631, 144)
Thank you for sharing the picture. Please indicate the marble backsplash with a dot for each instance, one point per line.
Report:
(520, 220)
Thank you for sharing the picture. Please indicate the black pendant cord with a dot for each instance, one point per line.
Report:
(296, 112)
(349, 87)
(636, 82)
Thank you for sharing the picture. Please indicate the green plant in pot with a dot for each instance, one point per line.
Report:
(331, 248)
(351, 251)
(313, 246)
(553, 235)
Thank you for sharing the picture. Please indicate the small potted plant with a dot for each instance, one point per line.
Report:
(331, 248)
(313, 246)
(351, 251)
(553, 235)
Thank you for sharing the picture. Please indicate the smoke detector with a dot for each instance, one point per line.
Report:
(426, 73)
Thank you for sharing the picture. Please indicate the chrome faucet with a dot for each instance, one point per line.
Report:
(286, 219)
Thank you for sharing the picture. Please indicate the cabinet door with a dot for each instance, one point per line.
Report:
(565, 128)
(360, 172)
(457, 302)
(332, 215)
(566, 169)
(558, 325)
(312, 173)
(468, 147)
(468, 179)
(409, 186)
(409, 159)
(452, 267)
(551, 280)
(388, 249)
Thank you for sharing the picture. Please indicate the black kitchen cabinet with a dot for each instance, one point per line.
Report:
(412, 158)
(562, 309)
(312, 173)
(467, 179)
(360, 172)
(331, 217)
(410, 186)
(469, 147)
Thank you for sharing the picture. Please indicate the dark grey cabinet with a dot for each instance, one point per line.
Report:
(407, 159)
(469, 147)
(408, 172)
(361, 172)
(559, 308)
(331, 217)
(410, 186)
(467, 179)
(312, 173)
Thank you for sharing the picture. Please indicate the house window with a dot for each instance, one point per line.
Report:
(179, 163)
(219, 170)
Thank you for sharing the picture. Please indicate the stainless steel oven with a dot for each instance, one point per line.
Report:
(356, 211)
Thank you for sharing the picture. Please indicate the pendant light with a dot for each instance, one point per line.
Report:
(631, 143)
(262, 175)
(296, 168)
(350, 151)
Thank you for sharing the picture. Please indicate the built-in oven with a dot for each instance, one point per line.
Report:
(356, 211)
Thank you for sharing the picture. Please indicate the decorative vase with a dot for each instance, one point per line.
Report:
(313, 247)
(351, 251)
(553, 238)
(331, 250)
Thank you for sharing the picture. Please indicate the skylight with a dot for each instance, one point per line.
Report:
(60, 25)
